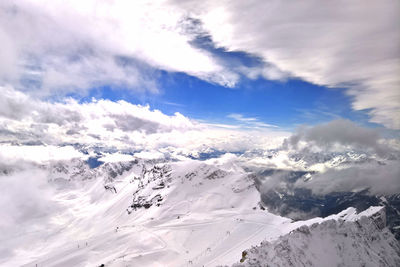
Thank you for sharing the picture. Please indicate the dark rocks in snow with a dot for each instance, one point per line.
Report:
(143, 202)
(216, 174)
(161, 185)
(110, 188)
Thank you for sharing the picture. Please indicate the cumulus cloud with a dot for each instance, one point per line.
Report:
(337, 44)
(338, 134)
(119, 125)
(338, 156)
(378, 178)
(78, 45)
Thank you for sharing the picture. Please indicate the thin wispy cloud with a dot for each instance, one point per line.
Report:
(250, 122)
(240, 117)
(174, 104)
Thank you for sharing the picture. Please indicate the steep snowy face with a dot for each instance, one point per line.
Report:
(346, 239)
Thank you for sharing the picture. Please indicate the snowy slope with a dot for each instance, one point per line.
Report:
(346, 239)
(149, 215)
(144, 213)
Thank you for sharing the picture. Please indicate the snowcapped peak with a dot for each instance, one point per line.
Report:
(345, 239)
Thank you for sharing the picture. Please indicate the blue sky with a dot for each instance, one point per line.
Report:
(285, 104)
(215, 62)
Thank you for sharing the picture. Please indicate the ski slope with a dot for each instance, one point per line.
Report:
(141, 213)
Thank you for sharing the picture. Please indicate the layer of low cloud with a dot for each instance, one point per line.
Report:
(119, 126)
(377, 178)
(37, 154)
(337, 44)
(26, 208)
(338, 135)
(339, 156)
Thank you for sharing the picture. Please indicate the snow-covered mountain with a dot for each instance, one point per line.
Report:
(164, 214)
(147, 213)
(289, 192)
(346, 239)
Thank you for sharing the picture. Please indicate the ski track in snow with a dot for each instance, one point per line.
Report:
(133, 255)
(242, 222)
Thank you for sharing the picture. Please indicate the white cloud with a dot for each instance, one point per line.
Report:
(149, 155)
(119, 125)
(250, 122)
(347, 44)
(116, 157)
(59, 47)
(340, 156)
(38, 154)
(26, 207)
(75, 45)
(379, 179)
(338, 135)
(240, 117)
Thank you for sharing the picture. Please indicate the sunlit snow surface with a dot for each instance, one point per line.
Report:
(143, 213)
(206, 217)
(345, 239)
